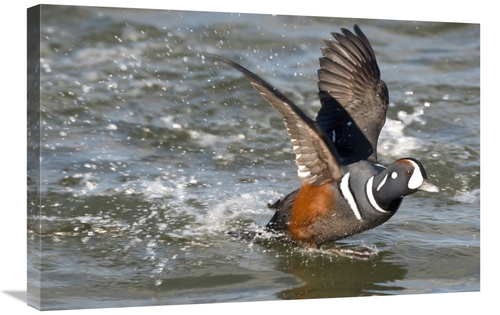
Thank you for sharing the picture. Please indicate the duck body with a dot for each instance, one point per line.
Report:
(314, 214)
(345, 190)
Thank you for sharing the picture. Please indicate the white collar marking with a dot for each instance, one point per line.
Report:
(371, 198)
(346, 191)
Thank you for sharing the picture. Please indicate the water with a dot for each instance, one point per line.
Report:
(151, 152)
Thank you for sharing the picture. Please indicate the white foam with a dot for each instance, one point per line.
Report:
(394, 142)
(469, 197)
(415, 117)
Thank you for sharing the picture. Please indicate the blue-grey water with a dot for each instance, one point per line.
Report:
(152, 152)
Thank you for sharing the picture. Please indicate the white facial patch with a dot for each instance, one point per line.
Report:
(416, 179)
(346, 192)
(394, 175)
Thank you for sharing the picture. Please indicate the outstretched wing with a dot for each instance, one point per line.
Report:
(315, 156)
(353, 97)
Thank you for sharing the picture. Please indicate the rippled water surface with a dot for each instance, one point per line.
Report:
(151, 152)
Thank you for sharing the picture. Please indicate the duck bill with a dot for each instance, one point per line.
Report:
(428, 186)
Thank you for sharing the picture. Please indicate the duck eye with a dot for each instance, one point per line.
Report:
(409, 172)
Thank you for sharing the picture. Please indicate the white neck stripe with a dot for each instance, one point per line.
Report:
(371, 198)
(346, 191)
(382, 183)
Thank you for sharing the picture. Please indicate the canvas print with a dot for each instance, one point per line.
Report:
(183, 157)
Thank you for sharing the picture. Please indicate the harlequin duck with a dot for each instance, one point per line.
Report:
(345, 190)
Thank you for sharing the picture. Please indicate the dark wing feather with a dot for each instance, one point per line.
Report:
(316, 158)
(353, 97)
